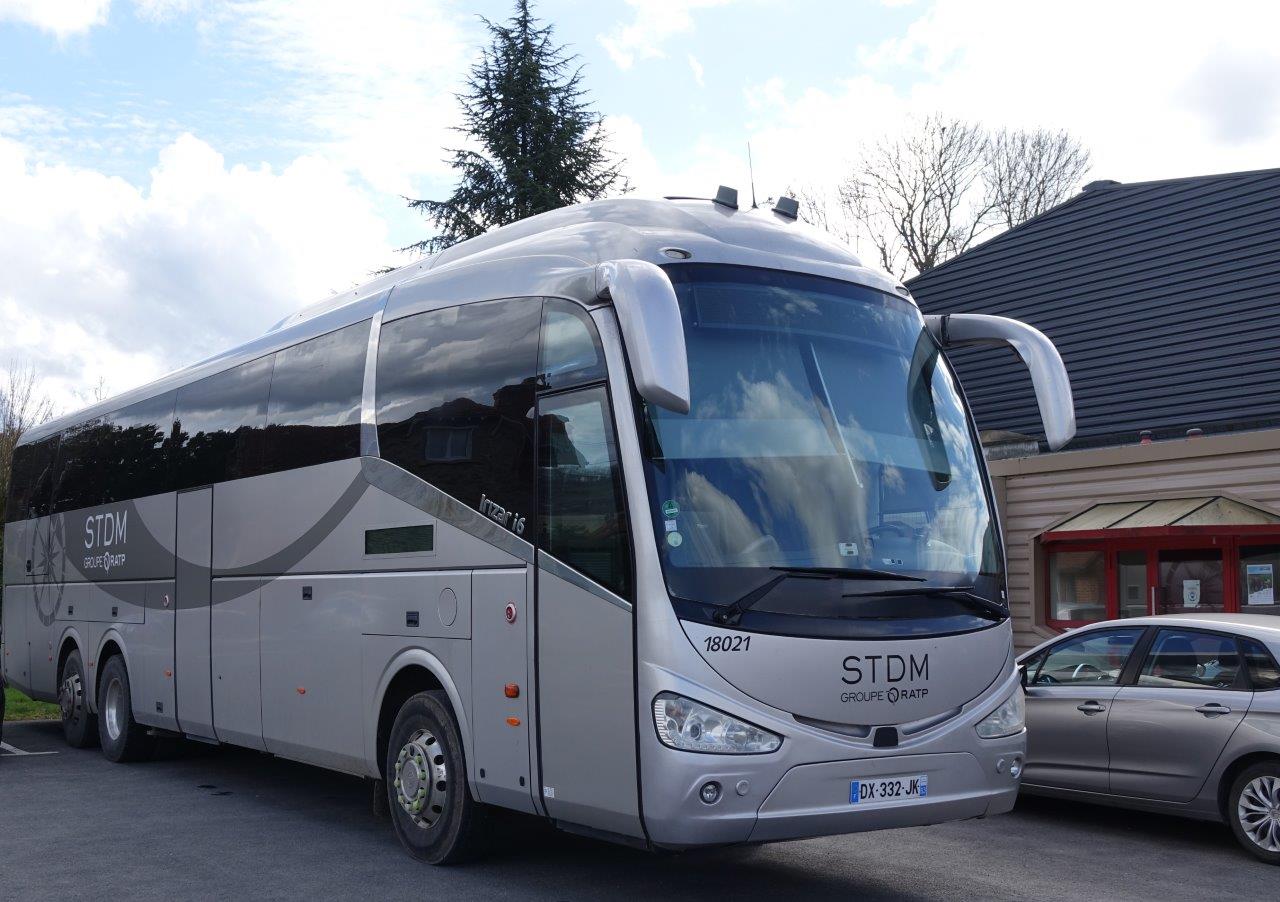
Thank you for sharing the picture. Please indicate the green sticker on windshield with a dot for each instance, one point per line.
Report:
(674, 539)
(670, 509)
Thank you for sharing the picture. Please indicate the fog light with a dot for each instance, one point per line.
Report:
(710, 792)
(1015, 769)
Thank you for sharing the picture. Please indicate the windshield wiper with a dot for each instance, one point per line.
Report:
(979, 603)
(730, 615)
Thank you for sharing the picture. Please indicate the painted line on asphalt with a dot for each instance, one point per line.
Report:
(16, 752)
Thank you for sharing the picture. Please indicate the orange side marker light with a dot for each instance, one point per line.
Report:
(513, 721)
(511, 690)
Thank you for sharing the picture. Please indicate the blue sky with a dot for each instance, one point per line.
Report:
(175, 175)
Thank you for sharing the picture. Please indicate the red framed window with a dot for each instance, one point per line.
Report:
(1111, 574)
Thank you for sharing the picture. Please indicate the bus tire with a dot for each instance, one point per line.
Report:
(432, 810)
(122, 737)
(79, 726)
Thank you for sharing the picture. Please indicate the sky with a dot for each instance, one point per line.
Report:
(178, 175)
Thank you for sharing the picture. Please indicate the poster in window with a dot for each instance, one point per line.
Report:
(1191, 593)
(1261, 582)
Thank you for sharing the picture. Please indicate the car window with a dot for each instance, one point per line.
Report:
(1096, 658)
(1186, 659)
(1263, 672)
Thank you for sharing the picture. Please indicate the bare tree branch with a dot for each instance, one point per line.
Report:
(1027, 172)
(22, 407)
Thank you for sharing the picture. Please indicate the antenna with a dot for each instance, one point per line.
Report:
(751, 172)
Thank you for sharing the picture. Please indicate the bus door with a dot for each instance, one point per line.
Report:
(193, 550)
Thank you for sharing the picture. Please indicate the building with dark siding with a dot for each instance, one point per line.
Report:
(1164, 301)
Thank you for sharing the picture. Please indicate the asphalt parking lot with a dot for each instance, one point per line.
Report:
(202, 822)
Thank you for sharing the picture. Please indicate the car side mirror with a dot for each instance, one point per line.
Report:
(652, 331)
(1048, 374)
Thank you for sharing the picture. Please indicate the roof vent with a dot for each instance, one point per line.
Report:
(727, 197)
(1099, 185)
(788, 207)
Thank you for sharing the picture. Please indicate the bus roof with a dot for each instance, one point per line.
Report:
(554, 254)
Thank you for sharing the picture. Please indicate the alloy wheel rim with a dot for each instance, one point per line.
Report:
(115, 709)
(1259, 812)
(71, 696)
(422, 779)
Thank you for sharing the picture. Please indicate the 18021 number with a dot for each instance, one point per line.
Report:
(727, 643)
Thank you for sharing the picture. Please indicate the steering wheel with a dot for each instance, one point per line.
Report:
(763, 542)
(1086, 668)
(900, 529)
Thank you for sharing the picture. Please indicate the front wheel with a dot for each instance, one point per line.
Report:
(1254, 810)
(79, 726)
(123, 738)
(431, 808)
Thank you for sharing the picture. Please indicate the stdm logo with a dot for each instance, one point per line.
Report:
(883, 676)
(102, 534)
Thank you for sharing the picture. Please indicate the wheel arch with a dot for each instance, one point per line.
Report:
(110, 645)
(411, 671)
(70, 640)
(1233, 770)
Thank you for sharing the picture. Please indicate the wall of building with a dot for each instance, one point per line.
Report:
(1033, 493)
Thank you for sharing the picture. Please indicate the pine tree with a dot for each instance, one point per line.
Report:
(539, 144)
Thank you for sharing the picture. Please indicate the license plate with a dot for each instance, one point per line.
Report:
(888, 789)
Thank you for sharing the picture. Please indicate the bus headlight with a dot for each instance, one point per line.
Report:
(694, 727)
(1006, 720)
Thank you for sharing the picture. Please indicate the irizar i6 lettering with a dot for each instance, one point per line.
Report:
(663, 520)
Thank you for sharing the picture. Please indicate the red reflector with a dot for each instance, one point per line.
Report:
(513, 721)
(302, 690)
(511, 690)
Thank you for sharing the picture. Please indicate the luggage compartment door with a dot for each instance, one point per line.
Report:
(191, 619)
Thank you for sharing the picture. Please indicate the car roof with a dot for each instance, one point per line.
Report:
(1264, 627)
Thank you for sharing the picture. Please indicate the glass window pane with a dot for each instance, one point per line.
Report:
(1258, 568)
(1131, 583)
(138, 452)
(570, 349)
(1077, 586)
(1263, 672)
(456, 398)
(1186, 659)
(79, 476)
(314, 413)
(1190, 581)
(221, 420)
(32, 479)
(1097, 658)
(583, 523)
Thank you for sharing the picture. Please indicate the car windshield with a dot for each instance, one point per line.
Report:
(825, 431)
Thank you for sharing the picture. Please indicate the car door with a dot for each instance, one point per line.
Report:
(1069, 691)
(1167, 730)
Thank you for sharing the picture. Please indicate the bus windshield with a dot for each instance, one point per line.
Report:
(826, 440)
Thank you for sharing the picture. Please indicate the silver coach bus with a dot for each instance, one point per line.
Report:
(664, 520)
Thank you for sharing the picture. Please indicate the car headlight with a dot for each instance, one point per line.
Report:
(1006, 720)
(694, 727)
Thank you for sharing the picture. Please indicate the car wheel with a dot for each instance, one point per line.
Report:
(1254, 810)
(123, 738)
(431, 807)
(79, 726)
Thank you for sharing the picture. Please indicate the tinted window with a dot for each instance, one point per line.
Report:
(455, 401)
(1185, 659)
(80, 478)
(313, 416)
(220, 423)
(1263, 672)
(582, 519)
(137, 458)
(571, 352)
(1096, 658)
(31, 479)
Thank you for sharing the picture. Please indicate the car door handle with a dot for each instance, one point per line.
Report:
(1213, 709)
(1091, 708)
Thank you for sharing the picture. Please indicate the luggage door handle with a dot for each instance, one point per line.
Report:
(1213, 709)
(1091, 708)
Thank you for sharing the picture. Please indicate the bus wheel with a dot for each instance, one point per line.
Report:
(123, 738)
(431, 808)
(79, 726)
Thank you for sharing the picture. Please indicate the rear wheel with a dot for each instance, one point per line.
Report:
(123, 738)
(79, 726)
(1254, 810)
(431, 808)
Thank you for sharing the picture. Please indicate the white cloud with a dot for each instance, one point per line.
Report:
(162, 10)
(698, 71)
(62, 18)
(103, 279)
(654, 22)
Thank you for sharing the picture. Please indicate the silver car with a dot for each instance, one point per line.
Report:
(1177, 714)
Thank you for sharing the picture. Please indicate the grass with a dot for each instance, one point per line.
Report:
(18, 707)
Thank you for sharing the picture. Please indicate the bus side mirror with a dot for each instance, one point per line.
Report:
(1048, 374)
(652, 331)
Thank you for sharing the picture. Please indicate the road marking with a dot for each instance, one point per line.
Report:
(5, 747)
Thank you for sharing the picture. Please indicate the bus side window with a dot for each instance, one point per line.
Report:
(32, 479)
(583, 522)
(313, 416)
(455, 403)
(570, 353)
(220, 423)
(137, 450)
